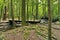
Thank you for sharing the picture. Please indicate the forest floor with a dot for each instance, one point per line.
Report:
(32, 32)
(55, 30)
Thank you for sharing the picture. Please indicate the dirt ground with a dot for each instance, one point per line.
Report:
(56, 31)
(33, 35)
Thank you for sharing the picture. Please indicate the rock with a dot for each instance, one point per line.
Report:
(57, 22)
(43, 21)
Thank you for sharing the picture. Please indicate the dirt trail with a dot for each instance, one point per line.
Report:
(56, 31)
(33, 36)
(18, 36)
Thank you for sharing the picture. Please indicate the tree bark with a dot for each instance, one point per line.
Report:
(36, 9)
(59, 9)
(23, 13)
(5, 12)
(49, 21)
(27, 12)
(32, 8)
(12, 14)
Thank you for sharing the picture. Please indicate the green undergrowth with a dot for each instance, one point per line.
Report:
(2, 36)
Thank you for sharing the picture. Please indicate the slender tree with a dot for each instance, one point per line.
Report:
(59, 9)
(32, 8)
(12, 14)
(27, 11)
(8, 9)
(5, 11)
(36, 9)
(1, 12)
(23, 13)
(44, 8)
(19, 12)
(18, 8)
(49, 22)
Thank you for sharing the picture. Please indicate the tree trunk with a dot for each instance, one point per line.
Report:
(44, 8)
(23, 13)
(27, 12)
(19, 12)
(59, 9)
(12, 15)
(5, 13)
(49, 22)
(36, 9)
(32, 9)
(1, 9)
